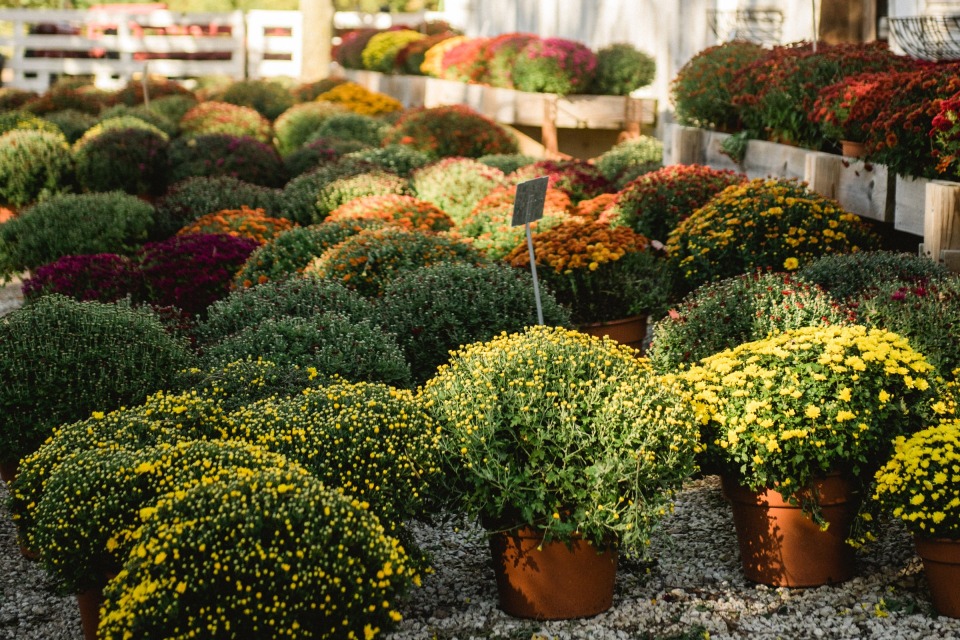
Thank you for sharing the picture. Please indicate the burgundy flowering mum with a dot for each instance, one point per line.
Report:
(191, 272)
(102, 277)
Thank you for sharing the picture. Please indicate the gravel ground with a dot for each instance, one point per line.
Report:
(10, 296)
(691, 587)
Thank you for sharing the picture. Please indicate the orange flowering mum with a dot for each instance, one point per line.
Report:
(490, 221)
(243, 222)
(599, 209)
(403, 211)
(579, 244)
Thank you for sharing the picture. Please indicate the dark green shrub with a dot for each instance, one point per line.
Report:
(130, 160)
(219, 154)
(506, 162)
(71, 122)
(299, 297)
(346, 189)
(34, 165)
(454, 130)
(190, 199)
(244, 382)
(118, 122)
(289, 253)
(369, 260)
(300, 194)
(192, 271)
(726, 314)
(352, 126)
(630, 158)
(395, 158)
(101, 277)
(332, 344)
(173, 107)
(622, 68)
(320, 152)
(215, 117)
(70, 224)
(62, 359)
(848, 275)
(147, 114)
(268, 97)
(439, 308)
(297, 124)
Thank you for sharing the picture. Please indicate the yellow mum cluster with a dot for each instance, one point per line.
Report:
(919, 484)
(360, 99)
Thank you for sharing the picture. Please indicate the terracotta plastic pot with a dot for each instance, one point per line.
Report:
(8, 471)
(852, 149)
(629, 331)
(553, 580)
(782, 547)
(89, 602)
(941, 564)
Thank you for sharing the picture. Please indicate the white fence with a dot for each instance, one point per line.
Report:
(113, 46)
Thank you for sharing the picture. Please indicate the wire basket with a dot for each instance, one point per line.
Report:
(762, 26)
(935, 38)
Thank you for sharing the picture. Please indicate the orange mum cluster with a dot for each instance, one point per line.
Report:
(243, 222)
(404, 211)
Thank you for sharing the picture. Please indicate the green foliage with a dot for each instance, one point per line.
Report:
(725, 314)
(220, 154)
(569, 434)
(439, 308)
(641, 154)
(34, 165)
(61, 359)
(117, 122)
(130, 160)
(334, 345)
(348, 188)
(190, 199)
(622, 68)
(244, 382)
(148, 115)
(320, 152)
(71, 122)
(216, 117)
(70, 224)
(456, 185)
(506, 162)
(297, 124)
(132, 93)
(288, 254)
(24, 120)
(268, 97)
(848, 275)
(554, 65)
(369, 130)
(370, 259)
(299, 298)
(300, 193)
(395, 158)
(173, 107)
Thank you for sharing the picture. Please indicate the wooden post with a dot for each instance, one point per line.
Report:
(632, 119)
(317, 34)
(548, 130)
(941, 219)
(822, 173)
(687, 145)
